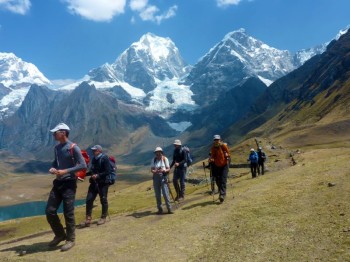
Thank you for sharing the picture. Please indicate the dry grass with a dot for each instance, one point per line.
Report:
(288, 215)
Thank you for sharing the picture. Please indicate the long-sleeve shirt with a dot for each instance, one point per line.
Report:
(67, 158)
(180, 157)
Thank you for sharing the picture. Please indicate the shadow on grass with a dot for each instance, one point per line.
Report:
(142, 214)
(32, 249)
(204, 204)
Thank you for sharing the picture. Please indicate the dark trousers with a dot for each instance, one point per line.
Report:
(220, 176)
(253, 169)
(262, 166)
(62, 191)
(179, 181)
(102, 190)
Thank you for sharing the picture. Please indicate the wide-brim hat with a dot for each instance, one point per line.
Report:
(177, 142)
(158, 149)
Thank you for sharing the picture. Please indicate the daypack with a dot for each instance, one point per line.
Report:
(113, 175)
(254, 157)
(188, 155)
(80, 175)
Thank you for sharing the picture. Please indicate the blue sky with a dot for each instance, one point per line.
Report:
(67, 38)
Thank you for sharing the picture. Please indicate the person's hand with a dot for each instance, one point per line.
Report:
(52, 170)
(61, 172)
(94, 176)
(177, 164)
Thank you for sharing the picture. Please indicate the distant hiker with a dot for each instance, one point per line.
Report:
(261, 161)
(99, 184)
(160, 169)
(68, 160)
(219, 159)
(179, 161)
(253, 158)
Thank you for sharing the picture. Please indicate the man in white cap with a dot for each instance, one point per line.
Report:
(68, 160)
(219, 160)
(99, 184)
(253, 159)
(179, 161)
(160, 170)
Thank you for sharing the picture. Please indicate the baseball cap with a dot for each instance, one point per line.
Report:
(60, 126)
(217, 137)
(97, 147)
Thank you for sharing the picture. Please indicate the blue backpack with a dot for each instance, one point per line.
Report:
(253, 157)
(188, 156)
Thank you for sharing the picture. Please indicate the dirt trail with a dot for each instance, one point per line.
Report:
(288, 215)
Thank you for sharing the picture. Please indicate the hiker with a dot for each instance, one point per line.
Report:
(253, 158)
(179, 161)
(160, 170)
(219, 159)
(68, 160)
(261, 161)
(99, 184)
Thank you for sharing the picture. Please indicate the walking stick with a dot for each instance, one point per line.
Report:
(171, 193)
(212, 181)
(205, 174)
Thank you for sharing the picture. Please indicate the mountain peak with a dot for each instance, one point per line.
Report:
(14, 71)
(155, 45)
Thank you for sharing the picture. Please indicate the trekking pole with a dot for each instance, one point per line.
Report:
(205, 174)
(212, 181)
(171, 193)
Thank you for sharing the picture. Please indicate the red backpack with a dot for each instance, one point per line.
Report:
(80, 175)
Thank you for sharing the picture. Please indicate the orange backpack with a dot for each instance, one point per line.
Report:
(80, 175)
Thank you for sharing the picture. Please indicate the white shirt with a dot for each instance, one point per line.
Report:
(155, 163)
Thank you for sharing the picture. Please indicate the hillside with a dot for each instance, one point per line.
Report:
(290, 214)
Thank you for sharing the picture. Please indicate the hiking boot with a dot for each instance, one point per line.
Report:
(68, 245)
(181, 199)
(170, 211)
(160, 212)
(221, 198)
(54, 242)
(86, 223)
(101, 221)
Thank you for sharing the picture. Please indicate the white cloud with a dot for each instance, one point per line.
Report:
(150, 14)
(16, 6)
(96, 10)
(224, 3)
(138, 5)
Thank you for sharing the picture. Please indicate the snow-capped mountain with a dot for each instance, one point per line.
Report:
(239, 56)
(147, 73)
(16, 76)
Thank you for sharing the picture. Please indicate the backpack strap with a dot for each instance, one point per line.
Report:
(71, 148)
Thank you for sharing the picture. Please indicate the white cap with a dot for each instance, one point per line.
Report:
(217, 137)
(252, 150)
(260, 148)
(158, 149)
(177, 142)
(60, 126)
